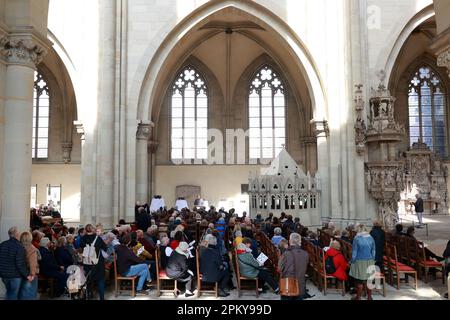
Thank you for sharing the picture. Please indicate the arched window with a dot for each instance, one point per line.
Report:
(427, 116)
(189, 116)
(41, 108)
(267, 123)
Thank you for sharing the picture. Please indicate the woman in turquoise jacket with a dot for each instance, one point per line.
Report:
(363, 261)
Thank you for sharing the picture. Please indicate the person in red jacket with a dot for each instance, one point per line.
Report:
(340, 264)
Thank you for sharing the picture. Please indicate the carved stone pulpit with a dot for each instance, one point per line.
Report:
(384, 169)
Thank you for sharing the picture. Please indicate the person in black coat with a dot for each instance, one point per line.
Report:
(212, 267)
(143, 220)
(13, 267)
(49, 268)
(62, 255)
(177, 267)
(377, 234)
(95, 272)
(418, 206)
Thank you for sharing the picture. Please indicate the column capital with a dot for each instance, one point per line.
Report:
(144, 130)
(66, 149)
(443, 60)
(80, 129)
(441, 48)
(23, 46)
(320, 128)
(152, 146)
(311, 140)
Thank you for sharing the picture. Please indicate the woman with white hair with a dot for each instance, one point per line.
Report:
(277, 236)
(212, 266)
(363, 257)
(249, 267)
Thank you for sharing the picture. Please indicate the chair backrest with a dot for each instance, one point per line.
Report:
(420, 249)
(412, 250)
(391, 254)
(236, 264)
(197, 257)
(115, 265)
(157, 260)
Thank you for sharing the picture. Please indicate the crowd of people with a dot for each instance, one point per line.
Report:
(49, 251)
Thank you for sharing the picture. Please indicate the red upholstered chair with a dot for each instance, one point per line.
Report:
(162, 278)
(427, 264)
(397, 269)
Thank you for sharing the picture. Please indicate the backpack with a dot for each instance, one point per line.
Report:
(330, 268)
(89, 254)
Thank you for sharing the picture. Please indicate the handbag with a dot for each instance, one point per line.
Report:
(289, 286)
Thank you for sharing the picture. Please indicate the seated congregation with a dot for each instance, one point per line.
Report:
(207, 251)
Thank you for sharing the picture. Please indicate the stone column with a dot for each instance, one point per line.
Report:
(143, 133)
(152, 147)
(322, 132)
(83, 217)
(22, 54)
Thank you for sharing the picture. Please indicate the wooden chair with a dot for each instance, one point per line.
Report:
(162, 277)
(398, 269)
(240, 278)
(382, 278)
(427, 265)
(45, 284)
(200, 280)
(324, 277)
(118, 281)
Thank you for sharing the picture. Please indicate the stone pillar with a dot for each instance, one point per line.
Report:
(80, 130)
(143, 133)
(322, 132)
(152, 147)
(22, 53)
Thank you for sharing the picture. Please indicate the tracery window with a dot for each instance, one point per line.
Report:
(41, 112)
(426, 106)
(189, 116)
(267, 122)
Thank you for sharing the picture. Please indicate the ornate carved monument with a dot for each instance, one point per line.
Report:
(284, 187)
(384, 169)
(425, 174)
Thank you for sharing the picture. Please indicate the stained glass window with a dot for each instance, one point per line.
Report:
(426, 104)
